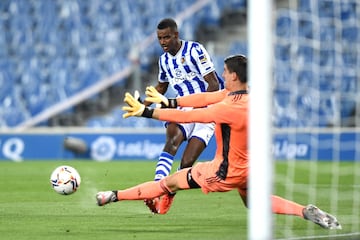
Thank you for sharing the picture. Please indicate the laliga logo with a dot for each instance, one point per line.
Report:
(289, 150)
(103, 149)
(13, 148)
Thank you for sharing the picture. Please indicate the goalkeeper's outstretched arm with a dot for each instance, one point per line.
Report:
(194, 100)
(137, 109)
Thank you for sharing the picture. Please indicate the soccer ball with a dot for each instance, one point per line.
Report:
(65, 180)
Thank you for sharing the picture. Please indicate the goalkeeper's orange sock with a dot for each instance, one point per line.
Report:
(283, 206)
(147, 190)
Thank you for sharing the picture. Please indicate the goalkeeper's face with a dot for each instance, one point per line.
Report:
(229, 78)
(168, 40)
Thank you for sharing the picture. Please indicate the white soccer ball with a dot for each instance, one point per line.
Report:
(65, 180)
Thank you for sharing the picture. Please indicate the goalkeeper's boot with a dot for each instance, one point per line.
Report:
(103, 198)
(152, 204)
(325, 220)
(165, 203)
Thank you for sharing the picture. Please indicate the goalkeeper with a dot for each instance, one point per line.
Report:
(228, 109)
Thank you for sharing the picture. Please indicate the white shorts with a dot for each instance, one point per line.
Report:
(202, 131)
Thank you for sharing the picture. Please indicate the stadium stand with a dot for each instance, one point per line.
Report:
(324, 61)
(52, 50)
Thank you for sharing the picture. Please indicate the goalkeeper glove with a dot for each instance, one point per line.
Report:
(155, 97)
(135, 108)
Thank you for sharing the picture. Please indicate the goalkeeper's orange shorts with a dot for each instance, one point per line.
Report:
(203, 174)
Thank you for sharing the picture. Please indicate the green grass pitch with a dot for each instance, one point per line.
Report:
(30, 209)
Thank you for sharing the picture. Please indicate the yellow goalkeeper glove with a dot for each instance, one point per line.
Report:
(152, 95)
(134, 108)
(155, 97)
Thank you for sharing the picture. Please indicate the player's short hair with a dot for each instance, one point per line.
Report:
(237, 64)
(167, 23)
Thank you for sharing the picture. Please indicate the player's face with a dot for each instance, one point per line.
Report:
(168, 40)
(228, 77)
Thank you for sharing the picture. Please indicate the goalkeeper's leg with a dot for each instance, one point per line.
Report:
(309, 212)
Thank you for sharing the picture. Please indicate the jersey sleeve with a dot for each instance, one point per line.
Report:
(162, 77)
(201, 99)
(202, 57)
(217, 113)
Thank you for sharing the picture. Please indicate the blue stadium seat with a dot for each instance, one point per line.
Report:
(282, 52)
(347, 107)
(13, 109)
(350, 58)
(284, 24)
(212, 14)
(349, 83)
(34, 95)
(350, 34)
(219, 63)
(304, 6)
(282, 76)
(327, 33)
(327, 82)
(327, 58)
(306, 79)
(7, 79)
(305, 28)
(305, 54)
(326, 8)
(238, 47)
(348, 10)
(232, 4)
(282, 98)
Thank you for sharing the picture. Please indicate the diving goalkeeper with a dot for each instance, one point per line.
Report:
(228, 109)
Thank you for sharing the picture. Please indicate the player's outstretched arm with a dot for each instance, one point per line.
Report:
(152, 95)
(193, 100)
(136, 109)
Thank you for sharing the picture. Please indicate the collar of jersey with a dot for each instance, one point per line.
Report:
(238, 92)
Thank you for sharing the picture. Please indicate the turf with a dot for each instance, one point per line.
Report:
(30, 209)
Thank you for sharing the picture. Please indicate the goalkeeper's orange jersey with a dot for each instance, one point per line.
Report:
(229, 111)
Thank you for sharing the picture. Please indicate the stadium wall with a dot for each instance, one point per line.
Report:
(146, 144)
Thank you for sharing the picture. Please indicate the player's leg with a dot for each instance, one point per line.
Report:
(309, 212)
(180, 180)
(287, 207)
(174, 137)
(243, 195)
(142, 191)
(192, 152)
(279, 205)
(200, 135)
(147, 190)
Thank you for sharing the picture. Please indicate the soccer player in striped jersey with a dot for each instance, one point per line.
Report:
(187, 67)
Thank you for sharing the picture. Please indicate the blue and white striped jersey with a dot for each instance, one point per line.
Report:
(186, 69)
